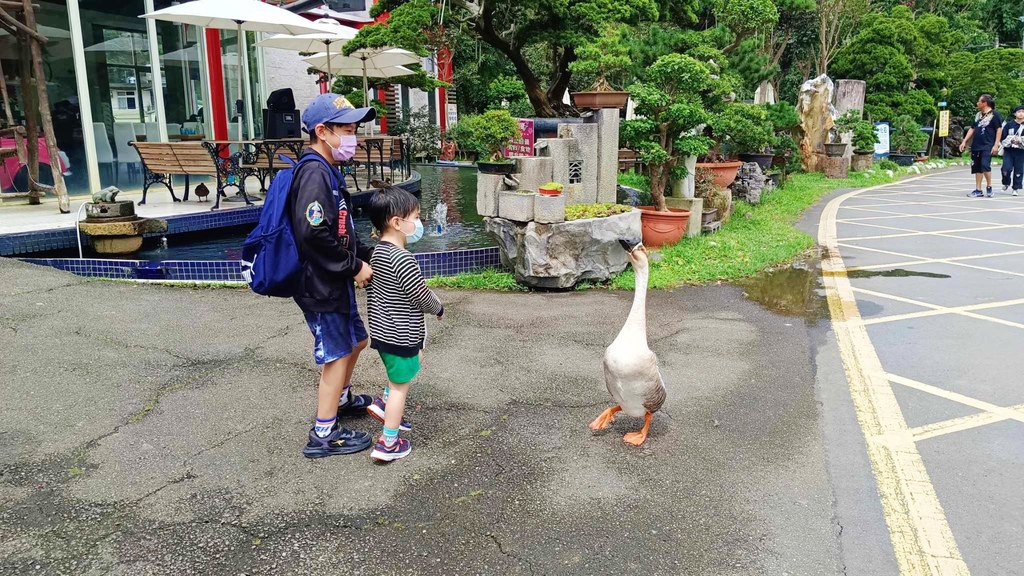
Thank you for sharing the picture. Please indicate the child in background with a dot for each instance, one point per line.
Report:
(1013, 151)
(397, 299)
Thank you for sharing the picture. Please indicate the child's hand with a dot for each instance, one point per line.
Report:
(441, 315)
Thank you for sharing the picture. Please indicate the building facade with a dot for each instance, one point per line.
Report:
(103, 64)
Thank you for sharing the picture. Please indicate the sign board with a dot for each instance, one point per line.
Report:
(453, 114)
(943, 123)
(524, 145)
(882, 147)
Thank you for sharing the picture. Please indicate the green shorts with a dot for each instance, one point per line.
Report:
(401, 369)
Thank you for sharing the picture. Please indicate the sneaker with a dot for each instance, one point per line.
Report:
(357, 403)
(976, 194)
(1006, 187)
(376, 409)
(1015, 192)
(384, 453)
(988, 191)
(339, 441)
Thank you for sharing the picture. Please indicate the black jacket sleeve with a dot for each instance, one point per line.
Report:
(314, 219)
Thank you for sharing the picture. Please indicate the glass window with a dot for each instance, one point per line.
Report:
(182, 71)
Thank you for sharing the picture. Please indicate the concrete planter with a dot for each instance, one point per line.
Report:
(487, 188)
(549, 209)
(862, 162)
(516, 206)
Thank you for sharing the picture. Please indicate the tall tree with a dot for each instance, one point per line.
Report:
(836, 23)
(514, 28)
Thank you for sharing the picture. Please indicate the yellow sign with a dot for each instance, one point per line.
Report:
(943, 123)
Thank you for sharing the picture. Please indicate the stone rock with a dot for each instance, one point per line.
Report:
(561, 255)
(862, 162)
(516, 206)
(586, 136)
(816, 119)
(132, 228)
(749, 183)
(549, 209)
(837, 168)
(850, 96)
(533, 172)
(696, 208)
(686, 187)
(487, 188)
(608, 154)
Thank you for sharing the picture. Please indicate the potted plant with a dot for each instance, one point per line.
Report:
(865, 136)
(748, 132)
(494, 130)
(550, 189)
(606, 58)
(516, 205)
(717, 201)
(906, 138)
(671, 104)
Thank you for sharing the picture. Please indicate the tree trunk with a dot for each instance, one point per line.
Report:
(63, 204)
(30, 111)
(19, 142)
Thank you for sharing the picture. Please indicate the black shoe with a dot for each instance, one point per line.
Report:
(357, 404)
(339, 441)
(988, 191)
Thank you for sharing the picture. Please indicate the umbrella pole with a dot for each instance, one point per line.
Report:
(241, 128)
(366, 95)
(330, 79)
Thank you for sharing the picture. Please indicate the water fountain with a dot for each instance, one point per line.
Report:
(113, 226)
(440, 218)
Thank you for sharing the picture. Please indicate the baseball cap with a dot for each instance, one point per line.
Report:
(334, 109)
(1021, 107)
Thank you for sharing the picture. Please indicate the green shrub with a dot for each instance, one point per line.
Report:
(584, 211)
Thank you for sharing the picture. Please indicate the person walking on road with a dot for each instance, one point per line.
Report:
(1013, 151)
(984, 137)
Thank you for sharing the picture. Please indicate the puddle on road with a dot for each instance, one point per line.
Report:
(793, 290)
(894, 273)
(796, 290)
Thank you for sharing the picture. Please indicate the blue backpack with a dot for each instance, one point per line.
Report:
(270, 258)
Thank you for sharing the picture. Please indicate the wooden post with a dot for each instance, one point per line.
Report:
(19, 142)
(63, 203)
(28, 109)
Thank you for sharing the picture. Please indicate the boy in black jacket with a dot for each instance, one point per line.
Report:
(333, 260)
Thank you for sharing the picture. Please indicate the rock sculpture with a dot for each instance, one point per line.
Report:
(816, 113)
(749, 183)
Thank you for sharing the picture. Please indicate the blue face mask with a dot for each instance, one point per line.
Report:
(416, 234)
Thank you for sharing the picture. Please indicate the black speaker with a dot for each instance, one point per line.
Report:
(282, 100)
(281, 124)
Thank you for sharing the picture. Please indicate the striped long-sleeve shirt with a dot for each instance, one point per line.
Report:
(397, 299)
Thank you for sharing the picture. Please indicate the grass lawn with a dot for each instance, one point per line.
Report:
(742, 247)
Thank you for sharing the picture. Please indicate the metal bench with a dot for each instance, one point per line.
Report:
(162, 160)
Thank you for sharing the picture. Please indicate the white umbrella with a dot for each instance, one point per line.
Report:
(240, 15)
(378, 63)
(320, 42)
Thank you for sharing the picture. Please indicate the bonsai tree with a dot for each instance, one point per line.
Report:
(783, 117)
(671, 104)
(865, 136)
(744, 128)
(493, 130)
(606, 58)
(906, 136)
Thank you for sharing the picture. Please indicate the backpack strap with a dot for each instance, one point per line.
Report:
(310, 156)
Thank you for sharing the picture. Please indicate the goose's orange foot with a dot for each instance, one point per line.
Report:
(638, 438)
(606, 418)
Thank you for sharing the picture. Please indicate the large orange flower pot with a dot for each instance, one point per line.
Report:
(662, 228)
(725, 172)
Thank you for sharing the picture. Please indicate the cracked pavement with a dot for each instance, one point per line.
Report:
(156, 430)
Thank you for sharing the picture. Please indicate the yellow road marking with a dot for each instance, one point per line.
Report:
(960, 424)
(922, 540)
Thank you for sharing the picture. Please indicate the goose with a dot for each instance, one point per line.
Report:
(630, 367)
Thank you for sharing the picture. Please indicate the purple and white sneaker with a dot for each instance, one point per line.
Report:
(377, 411)
(384, 453)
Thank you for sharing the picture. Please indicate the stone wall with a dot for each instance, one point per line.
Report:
(286, 69)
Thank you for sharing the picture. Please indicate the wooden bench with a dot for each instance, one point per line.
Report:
(629, 160)
(162, 160)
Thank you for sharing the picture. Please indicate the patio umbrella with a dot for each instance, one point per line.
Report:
(319, 42)
(241, 15)
(378, 63)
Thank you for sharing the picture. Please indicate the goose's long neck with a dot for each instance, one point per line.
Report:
(636, 322)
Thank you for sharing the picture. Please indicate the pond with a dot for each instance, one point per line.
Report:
(447, 198)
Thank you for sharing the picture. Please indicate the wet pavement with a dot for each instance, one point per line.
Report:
(156, 430)
(933, 391)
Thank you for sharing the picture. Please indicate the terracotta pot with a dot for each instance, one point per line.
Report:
(725, 172)
(502, 168)
(763, 160)
(549, 191)
(599, 100)
(662, 228)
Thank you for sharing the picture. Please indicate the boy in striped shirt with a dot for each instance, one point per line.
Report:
(397, 299)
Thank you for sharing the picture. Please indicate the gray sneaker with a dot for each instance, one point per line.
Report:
(1015, 192)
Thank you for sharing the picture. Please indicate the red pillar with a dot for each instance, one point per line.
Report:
(218, 107)
(444, 74)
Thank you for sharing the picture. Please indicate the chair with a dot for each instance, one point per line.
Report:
(104, 154)
(124, 132)
(173, 130)
(152, 132)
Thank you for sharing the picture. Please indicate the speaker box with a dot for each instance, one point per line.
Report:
(281, 124)
(282, 100)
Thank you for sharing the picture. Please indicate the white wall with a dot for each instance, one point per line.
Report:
(286, 69)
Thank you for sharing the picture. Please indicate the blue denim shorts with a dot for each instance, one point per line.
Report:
(335, 334)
